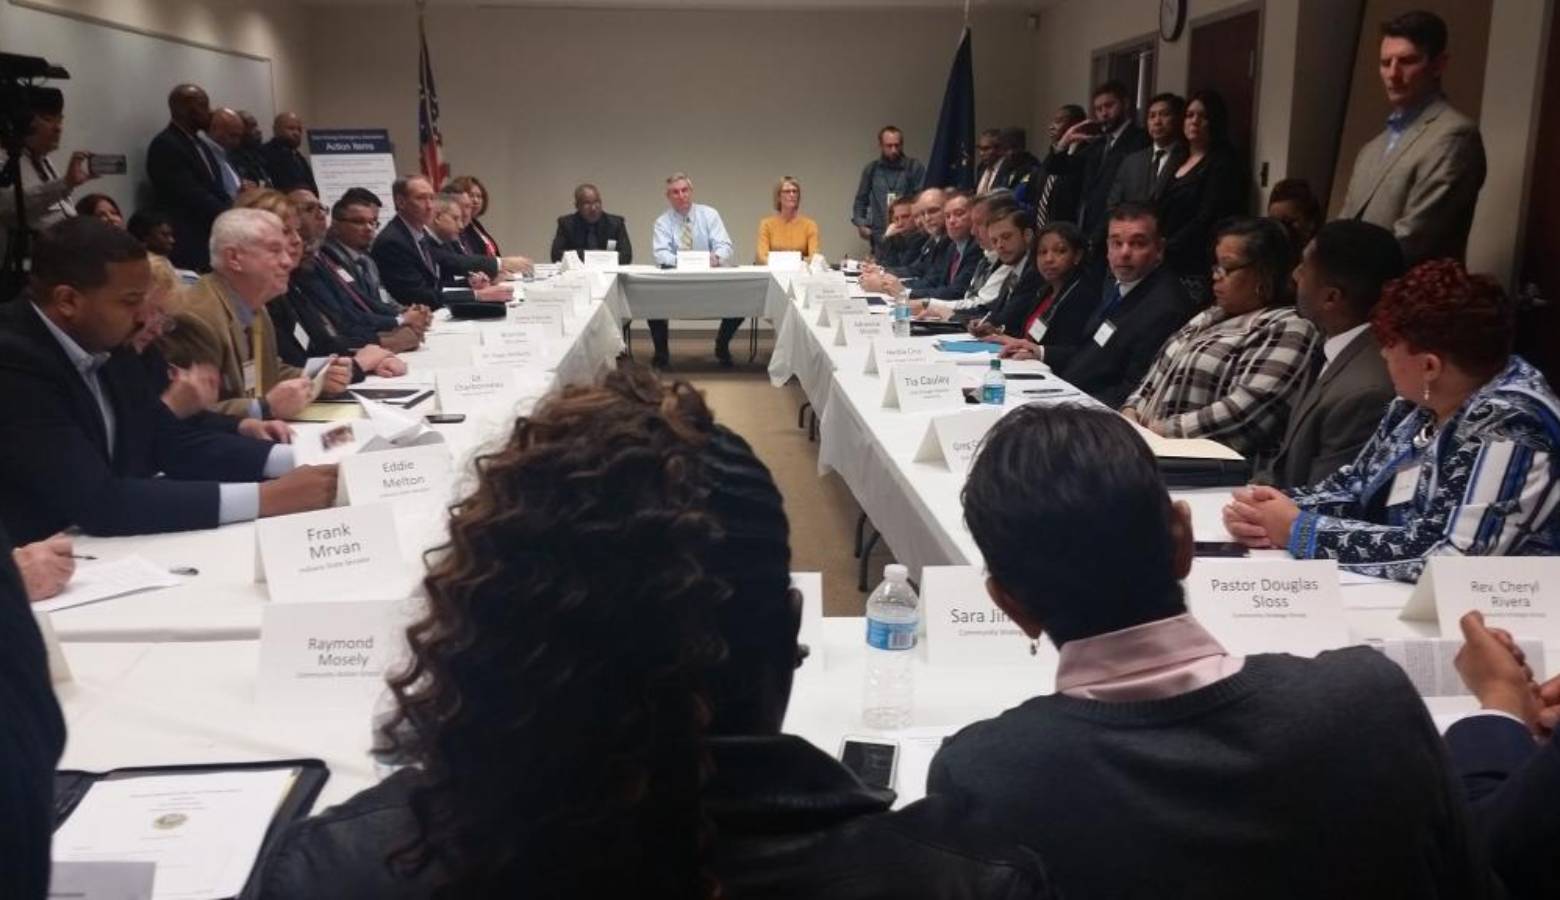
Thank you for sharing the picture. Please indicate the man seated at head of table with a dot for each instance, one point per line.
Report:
(1509, 760)
(88, 436)
(990, 271)
(1260, 776)
(1233, 373)
(787, 229)
(409, 260)
(223, 316)
(903, 238)
(1141, 304)
(590, 227)
(325, 311)
(621, 537)
(931, 255)
(687, 227)
(1337, 283)
(32, 737)
(1466, 461)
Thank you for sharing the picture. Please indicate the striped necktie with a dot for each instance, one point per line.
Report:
(685, 236)
(1043, 209)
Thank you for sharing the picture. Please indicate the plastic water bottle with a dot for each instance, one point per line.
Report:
(902, 315)
(993, 387)
(893, 617)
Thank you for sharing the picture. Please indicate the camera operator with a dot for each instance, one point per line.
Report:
(45, 190)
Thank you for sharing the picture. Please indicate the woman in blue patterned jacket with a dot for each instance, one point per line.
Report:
(1466, 461)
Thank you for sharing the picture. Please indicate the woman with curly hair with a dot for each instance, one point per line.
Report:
(593, 704)
(1465, 461)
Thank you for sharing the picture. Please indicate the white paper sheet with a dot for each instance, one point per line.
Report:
(202, 830)
(102, 579)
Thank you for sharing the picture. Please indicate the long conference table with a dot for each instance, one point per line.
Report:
(169, 676)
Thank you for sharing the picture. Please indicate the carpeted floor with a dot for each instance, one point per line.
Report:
(822, 511)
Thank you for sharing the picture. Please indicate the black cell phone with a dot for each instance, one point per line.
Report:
(873, 760)
(445, 418)
(1220, 548)
(874, 301)
(107, 164)
(1025, 376)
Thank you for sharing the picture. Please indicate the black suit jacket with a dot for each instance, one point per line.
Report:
(1069, 313)
(1145, 318)
(55, 469)
(289, 169)
(1191, 206)
(932, 255)
(188, 191)
(407, 276)
(1136, 181)
(574, 234)
(1066, 188)
(1011, 308)
(31, 740)
(1097, 164)
(936, 282)
(1514, 786)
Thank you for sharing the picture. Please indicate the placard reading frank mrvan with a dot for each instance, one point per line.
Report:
(341, 553)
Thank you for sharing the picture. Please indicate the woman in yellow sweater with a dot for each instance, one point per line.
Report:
(788, 229)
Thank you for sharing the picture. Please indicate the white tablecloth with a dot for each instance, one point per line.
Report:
(223, 601)
(645, 292)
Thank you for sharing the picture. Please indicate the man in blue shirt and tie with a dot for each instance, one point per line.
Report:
(690, 226)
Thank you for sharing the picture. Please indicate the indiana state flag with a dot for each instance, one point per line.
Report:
(951, 163)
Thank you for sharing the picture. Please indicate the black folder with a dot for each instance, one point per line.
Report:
(1181, 472)
(70, 785)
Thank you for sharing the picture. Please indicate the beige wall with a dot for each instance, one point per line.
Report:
(1307, 52)
(272, 29)
(535, 100)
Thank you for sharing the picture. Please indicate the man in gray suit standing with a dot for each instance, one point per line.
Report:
(1336, 285)
(1421, 176)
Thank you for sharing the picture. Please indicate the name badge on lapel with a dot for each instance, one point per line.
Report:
(1104, 333)
(1403, 484)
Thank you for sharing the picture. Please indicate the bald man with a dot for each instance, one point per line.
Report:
(289, 168)
(223, 136)
(186, 176)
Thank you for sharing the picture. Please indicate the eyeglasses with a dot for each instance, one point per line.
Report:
(1222, 271)
(362, 223)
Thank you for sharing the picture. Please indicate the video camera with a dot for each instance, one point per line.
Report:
(20, 98)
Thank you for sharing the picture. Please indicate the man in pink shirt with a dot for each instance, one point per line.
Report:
(1163, 766)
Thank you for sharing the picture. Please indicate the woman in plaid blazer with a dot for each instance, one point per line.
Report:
(1234, 372)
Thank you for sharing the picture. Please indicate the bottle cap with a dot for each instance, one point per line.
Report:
(996, 363)
(896, 572)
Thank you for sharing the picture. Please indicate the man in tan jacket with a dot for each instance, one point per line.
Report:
(224, 315)
(1419, 178)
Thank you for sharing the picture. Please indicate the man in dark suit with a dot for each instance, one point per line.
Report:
(1142, 304)
(1511, 779)
(410, 261)
(591, 228)
(1336, 286)
(87, 436)
(1143, 175)
(1054, 193)
(31, 739)
(289, 169)
(1102, 143)
(903, 238)
(187, 177)
(1019, 166)
(950, 278)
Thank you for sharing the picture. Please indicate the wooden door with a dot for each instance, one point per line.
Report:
(1223, 57)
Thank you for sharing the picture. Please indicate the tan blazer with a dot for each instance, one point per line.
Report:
(206, 324)
(1424, 190)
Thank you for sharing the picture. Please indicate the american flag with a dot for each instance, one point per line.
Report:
(429, 140)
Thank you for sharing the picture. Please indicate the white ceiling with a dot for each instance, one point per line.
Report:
(763, 5)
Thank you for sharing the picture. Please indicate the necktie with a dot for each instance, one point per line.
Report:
(365, 272)
(953, 266)
(685, 236)
(256, 346)
(1043, 210)
(1112, 300)
(1159, 160)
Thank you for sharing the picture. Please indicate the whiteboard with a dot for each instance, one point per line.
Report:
(117, 97)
